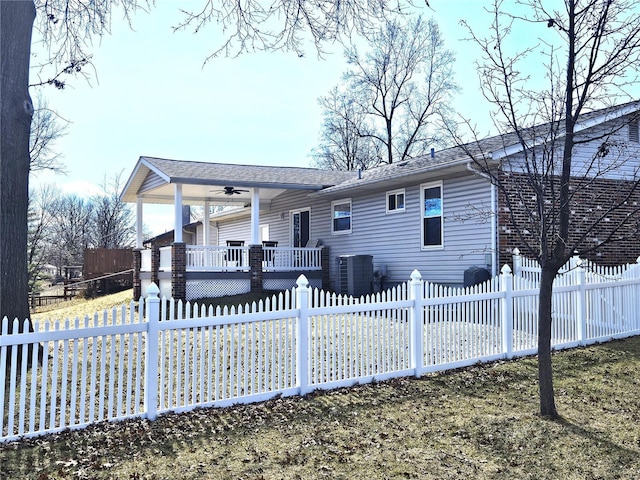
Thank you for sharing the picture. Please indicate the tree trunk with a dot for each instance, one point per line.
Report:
(545, 372)
(16, 23)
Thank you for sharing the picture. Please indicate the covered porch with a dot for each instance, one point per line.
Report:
(190, 272)
(217, 267)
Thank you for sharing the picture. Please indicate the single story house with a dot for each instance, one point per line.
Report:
(344, 230)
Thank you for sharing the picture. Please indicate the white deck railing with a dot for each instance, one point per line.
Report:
(217, 259)
(274, 259)
(291, 259)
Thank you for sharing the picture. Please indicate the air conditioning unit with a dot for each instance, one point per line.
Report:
(355, 275)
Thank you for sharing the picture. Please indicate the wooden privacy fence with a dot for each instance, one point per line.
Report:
(170, 357)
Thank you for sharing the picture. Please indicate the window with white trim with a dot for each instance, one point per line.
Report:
(432, 218)
(395, 201)
(341, 216)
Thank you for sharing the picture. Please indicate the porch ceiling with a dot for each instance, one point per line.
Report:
(198, 194)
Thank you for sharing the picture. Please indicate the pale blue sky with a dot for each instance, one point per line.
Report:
(151, 95)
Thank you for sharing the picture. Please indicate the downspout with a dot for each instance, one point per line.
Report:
(494, 219)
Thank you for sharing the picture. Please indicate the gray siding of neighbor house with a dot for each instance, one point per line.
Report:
(393, 239)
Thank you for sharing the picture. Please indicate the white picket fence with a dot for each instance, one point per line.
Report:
(126, 363)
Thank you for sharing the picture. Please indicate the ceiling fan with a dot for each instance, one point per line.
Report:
(231, 191)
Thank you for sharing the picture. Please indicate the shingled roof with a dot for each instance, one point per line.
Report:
(152, 175)
(180, 171)
(459, 156)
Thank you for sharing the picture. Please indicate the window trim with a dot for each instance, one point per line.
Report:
(342, 202)
(423, 187)
(399, 191)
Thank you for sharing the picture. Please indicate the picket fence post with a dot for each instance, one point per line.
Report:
(581, 302)
(151, 355)
(415, 322)
(636, 276)
(302, 331)
(517, 262)
(506, 286)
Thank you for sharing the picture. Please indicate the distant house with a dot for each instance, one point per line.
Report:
(434, 213)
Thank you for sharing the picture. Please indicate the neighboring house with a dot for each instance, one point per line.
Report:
(190, 233)
(435, 213)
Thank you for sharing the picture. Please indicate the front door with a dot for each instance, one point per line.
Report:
(300, 227)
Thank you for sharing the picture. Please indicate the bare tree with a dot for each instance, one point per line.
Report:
(573, 189)
(73, 230)
(113, 220)
(343, 145)
(401, 86)
(255, 26)
(43, 205)
(46, 128)
(16, 109)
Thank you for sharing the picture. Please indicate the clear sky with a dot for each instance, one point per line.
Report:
(150, 94)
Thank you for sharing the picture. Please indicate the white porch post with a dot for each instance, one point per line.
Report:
(138, 222)
(177, 213)
(207, 224)
(255, 217)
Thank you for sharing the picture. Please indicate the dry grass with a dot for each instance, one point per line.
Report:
(79, 307)
(475, 423)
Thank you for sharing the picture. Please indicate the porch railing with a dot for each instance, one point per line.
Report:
(278, 259)
(217, 259)
(222, 259)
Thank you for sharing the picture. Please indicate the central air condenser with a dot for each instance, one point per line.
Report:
(355, 275)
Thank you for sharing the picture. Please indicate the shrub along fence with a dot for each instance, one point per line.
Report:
(170, 357)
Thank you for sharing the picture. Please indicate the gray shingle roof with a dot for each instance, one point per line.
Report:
(246, 175)
(460, 155)
(328, 181)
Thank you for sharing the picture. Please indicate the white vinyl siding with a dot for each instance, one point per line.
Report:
(393, 240)
(619, 163)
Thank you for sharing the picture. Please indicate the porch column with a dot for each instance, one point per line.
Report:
(207, 224)
(324, 259)
(138, 222)
(137, 264)
(177, 213)
(178, 271)
(255, 217)
(155, 264)
(255, 265)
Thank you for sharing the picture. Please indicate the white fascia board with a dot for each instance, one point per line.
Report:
(511, 150)
(621, 112)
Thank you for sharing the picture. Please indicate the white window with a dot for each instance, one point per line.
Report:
(634, 135)
(395, 201)
(264, 232)
(341, 216)
(432, 218)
